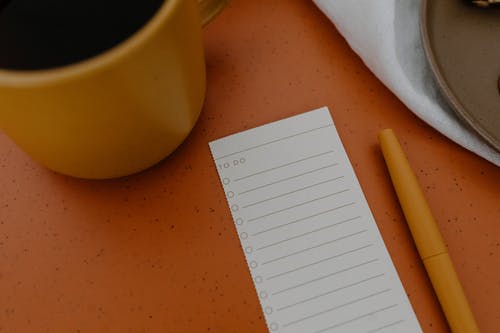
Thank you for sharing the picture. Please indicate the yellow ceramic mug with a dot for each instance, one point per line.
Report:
(118, 112)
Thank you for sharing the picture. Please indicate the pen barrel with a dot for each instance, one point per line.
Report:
(418, 215)
(450, 294)
(427, 237)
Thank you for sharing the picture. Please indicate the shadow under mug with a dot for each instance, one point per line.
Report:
(120, 111)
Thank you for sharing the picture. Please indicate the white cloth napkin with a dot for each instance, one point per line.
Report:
(386, 35)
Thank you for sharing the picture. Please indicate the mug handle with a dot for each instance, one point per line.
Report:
(210, 8)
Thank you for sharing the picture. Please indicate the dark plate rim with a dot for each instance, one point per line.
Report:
(448, 94)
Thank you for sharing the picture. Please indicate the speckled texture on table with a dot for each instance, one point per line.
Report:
(157, 251)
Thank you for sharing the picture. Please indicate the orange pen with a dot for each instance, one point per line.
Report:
(427, 237)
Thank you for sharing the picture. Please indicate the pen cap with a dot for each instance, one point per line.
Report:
(415, 208)
(450, 293)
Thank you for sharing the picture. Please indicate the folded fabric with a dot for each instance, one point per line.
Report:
(386, 35)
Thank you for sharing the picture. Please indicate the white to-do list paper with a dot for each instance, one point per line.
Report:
(314, 251)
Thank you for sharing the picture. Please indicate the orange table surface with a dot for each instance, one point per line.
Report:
(158, 252)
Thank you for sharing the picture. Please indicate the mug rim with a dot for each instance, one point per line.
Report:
(96, 63)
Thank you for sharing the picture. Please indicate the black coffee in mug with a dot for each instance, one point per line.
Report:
(43, 34)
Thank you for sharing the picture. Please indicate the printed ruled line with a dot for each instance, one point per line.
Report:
(304, 218)
(283, 165)
(336, 307)
(297, 205)
(313, 247)
(324, 277)
(318, 262)
(287, 193)
(273, 141)
(292, 177)
(385, 326)
(329, 292)
(356, 318)
(308, 233)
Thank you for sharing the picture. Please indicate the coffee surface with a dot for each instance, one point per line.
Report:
(42, 34)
